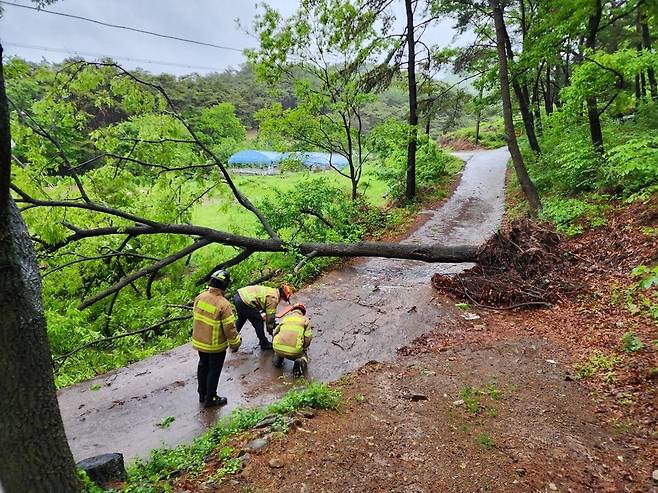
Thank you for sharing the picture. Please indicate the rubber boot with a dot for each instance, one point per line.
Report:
(215, 401)
(299, 367)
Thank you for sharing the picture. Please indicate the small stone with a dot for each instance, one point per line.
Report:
(655, 476)
(307, 413)
(552, 487)
(459, 402)
(267, 421)
(257, 444)
(275, 463)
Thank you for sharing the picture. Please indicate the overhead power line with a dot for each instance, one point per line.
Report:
(118, 26)
(115, 57)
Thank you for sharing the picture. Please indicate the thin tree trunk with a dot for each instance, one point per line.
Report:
(646, 44)
(592, 105)
(427, 124)
(410, 191)
(522, 173)
(638, 89)
(548, 95)
(34, 453)
(521, 93)
(535, 102)
(478, 117)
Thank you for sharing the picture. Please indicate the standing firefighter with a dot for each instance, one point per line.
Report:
(292, 337)
(252, 302)
(213, 332)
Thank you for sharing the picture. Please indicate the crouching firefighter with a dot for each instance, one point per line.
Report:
(213, 331)
(258, 304)
(292, 337)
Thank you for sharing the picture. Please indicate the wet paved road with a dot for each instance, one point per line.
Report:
(360, 312)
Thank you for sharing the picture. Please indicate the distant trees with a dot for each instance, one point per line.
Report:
(330, 51)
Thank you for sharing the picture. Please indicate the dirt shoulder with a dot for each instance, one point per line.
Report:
(510, 400)
(464, 419)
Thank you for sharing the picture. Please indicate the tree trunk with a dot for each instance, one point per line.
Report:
(548, 95)
(521, 93)
(592, 105)
(522, 173)
(34, 453)
(638, 89)
(646, 44)
(427, 124)
(410, 191)
(535, 102)
(478, 117)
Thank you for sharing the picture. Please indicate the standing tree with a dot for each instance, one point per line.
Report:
(522, 173)
(327, 50)
(34, 453)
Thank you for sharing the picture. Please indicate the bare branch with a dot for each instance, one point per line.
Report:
(143, 272)
(61, 359)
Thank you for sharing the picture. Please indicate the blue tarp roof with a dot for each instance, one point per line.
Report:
(268, 158)
(253, 157)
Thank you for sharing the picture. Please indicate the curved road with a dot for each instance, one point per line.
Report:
(361, 312)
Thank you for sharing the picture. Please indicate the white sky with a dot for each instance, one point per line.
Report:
(212, 21)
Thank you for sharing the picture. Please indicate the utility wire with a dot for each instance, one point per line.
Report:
(118, 26)
(115, 57)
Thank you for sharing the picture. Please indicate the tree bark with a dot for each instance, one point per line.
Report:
(646, 44)
(410, 191)
(548, 95)
(34, 453)
(478, 117)
(522, 173)
(592, 105)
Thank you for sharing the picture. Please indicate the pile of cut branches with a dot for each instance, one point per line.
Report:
(523, 265)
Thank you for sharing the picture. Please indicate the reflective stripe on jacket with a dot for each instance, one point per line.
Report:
(263, 298)
(213, 327)
(293, 335)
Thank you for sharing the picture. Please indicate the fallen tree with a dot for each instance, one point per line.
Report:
(130, 225)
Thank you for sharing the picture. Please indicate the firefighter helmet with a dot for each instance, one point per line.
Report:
(220, 279)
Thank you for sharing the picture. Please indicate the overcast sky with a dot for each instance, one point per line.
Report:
(38, 35)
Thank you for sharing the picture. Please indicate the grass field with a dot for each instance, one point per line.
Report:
(221, 211)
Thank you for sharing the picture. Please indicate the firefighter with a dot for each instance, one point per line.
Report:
(213, 331)
(292, 337)
(258, 304)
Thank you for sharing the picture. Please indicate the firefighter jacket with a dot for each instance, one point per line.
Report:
(293, 335)
(213, 329)
(263, 298)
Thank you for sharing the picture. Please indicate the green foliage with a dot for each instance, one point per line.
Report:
(166, 422)
(630, 343)
(485, 440)
(571, 215)
(597, 361)
(471, 397)
(88, 486)
(643, 296)
(389, 142)
(492, 135)
(152, 476)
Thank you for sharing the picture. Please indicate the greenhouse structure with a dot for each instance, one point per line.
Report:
(270, 160)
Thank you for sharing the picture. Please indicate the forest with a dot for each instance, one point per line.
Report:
(121, 177)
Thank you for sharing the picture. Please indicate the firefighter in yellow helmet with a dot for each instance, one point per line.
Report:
(292, 337)
(213, 331)
(251, 302)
